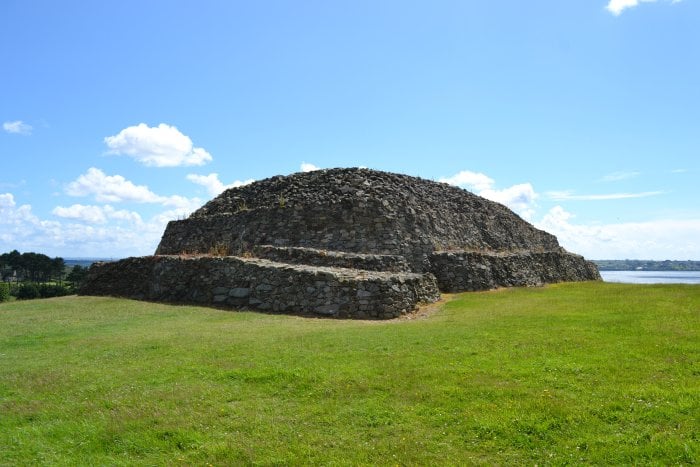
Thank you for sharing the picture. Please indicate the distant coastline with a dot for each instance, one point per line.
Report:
(85, 262)
(645, 265)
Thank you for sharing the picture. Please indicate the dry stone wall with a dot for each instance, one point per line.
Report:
(354, 210)
(459, 271)
(339, 259)
(351, 243)
(251, 283)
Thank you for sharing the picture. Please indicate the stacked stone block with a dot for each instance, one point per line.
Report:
(354, 243)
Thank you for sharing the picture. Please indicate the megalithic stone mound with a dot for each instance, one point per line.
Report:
(341, 242)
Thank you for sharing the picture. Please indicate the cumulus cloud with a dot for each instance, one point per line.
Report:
(308, 167)
(570, 196)
(96, 214)
(7, 200)
(18, 224)
(116, 189)
(181, 203)
(11, 214)
(520, 198)
(90, 214)
(17, 127)
(616, 7)
(83, 230)
(110, 188)
(213, 185)
(161, 146)
(677, 239)
(472, 180)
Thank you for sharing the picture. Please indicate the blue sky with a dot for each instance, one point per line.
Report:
(583, 116)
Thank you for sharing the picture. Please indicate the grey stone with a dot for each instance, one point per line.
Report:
(358, 243)
(239, 292)
(220, 298)
(327, 309)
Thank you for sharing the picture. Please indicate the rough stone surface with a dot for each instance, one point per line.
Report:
(460, 271)
(315, 257)
(341, 242)
(264, 285)
(354, 210)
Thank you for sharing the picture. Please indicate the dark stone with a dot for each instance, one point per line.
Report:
(351, 243)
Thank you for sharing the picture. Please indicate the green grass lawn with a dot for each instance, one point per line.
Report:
(589, 373)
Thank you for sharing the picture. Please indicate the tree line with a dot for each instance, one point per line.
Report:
(35, 275)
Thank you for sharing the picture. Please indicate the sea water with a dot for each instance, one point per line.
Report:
(652, 277)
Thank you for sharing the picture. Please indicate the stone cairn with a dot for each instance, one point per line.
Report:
(345, 243)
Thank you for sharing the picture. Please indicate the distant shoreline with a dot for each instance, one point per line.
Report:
(645, 265)
(85, 262)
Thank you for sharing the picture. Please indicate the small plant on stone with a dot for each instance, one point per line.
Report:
(242, 206)
(282, 200)
(220, 249)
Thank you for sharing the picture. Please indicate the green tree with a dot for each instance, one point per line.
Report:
(53, 290)
(37, 267)
(4, 292)
(58, 269)
(28, 292)
(11, 261)
(77, 275)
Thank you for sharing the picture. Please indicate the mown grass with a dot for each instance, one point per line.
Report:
(573, 373)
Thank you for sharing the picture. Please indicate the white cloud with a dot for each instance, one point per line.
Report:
(7, 200)
(110, 188)
(472, 180)
(10, 214)
(19, 225)
(213, 185)
(616, 7)
(122, 215)
(96, 214)
(17, 127)
(619, 176)
(520, 198)
(677, 239)
(307, 167)
(90, 214)
(181, 203)
(570, 196)
(90, 231)
(161, 146)
(115, 189)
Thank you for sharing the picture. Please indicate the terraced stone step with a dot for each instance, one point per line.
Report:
(459, 271)
(265, 285)
(342, 259)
